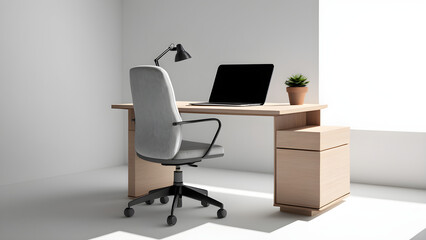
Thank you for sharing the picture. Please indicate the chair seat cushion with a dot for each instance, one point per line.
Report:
(189, 150)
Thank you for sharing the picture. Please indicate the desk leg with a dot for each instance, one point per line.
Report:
(143, 175)
(283, 122)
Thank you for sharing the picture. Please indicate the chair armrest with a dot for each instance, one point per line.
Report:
(204, 120)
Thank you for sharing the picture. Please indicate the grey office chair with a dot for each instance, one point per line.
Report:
(158, 138)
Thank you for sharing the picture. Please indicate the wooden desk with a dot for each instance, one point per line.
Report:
(145, 176)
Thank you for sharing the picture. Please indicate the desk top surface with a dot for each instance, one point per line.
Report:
(268, 109)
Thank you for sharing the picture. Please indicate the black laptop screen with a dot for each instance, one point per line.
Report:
(246, 83)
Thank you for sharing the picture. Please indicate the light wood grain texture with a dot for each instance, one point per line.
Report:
(289, 121)
(310, 211)
(143, 175)
(131, 158)
(313, 118)
(269, 109)
(131, 120)
(311, 178)
(334, 173)
(313, 137)
(285, 122)
(298, 175)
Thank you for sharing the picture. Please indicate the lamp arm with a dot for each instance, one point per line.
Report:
(170, 48)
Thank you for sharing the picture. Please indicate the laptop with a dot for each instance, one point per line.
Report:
(240, 85)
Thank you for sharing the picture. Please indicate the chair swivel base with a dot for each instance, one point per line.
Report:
(177, 190)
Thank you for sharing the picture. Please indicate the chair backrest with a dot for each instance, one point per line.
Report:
(155, 111)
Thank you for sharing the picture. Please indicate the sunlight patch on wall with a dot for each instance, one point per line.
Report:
(373, 64)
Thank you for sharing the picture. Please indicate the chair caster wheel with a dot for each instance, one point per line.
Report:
(164, 200)
(171, 220)
(128, 212)
(221, 213)
(149, 202)
(205, 204)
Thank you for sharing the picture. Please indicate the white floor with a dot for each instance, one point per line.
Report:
(90, 205)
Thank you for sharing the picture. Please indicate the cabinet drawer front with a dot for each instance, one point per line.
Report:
(312, 178)
(334, 173)
(297, 178)
(317, 138)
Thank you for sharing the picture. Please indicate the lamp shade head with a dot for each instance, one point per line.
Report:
(181, 53)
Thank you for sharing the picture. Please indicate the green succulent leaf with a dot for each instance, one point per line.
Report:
(297, 80)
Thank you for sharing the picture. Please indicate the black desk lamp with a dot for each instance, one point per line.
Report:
(180, 55)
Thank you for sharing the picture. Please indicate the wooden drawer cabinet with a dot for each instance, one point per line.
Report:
(312, 178)
(312, 168)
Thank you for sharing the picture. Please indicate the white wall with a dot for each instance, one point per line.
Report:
(388, 158)
(60, 65)
(284, 33)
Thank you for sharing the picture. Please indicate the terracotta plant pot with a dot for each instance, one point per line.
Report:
(297, 95)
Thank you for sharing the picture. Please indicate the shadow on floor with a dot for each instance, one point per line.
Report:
(83, 214)
(420, 236)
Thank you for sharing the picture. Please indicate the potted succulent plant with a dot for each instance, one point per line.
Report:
(297, 89)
